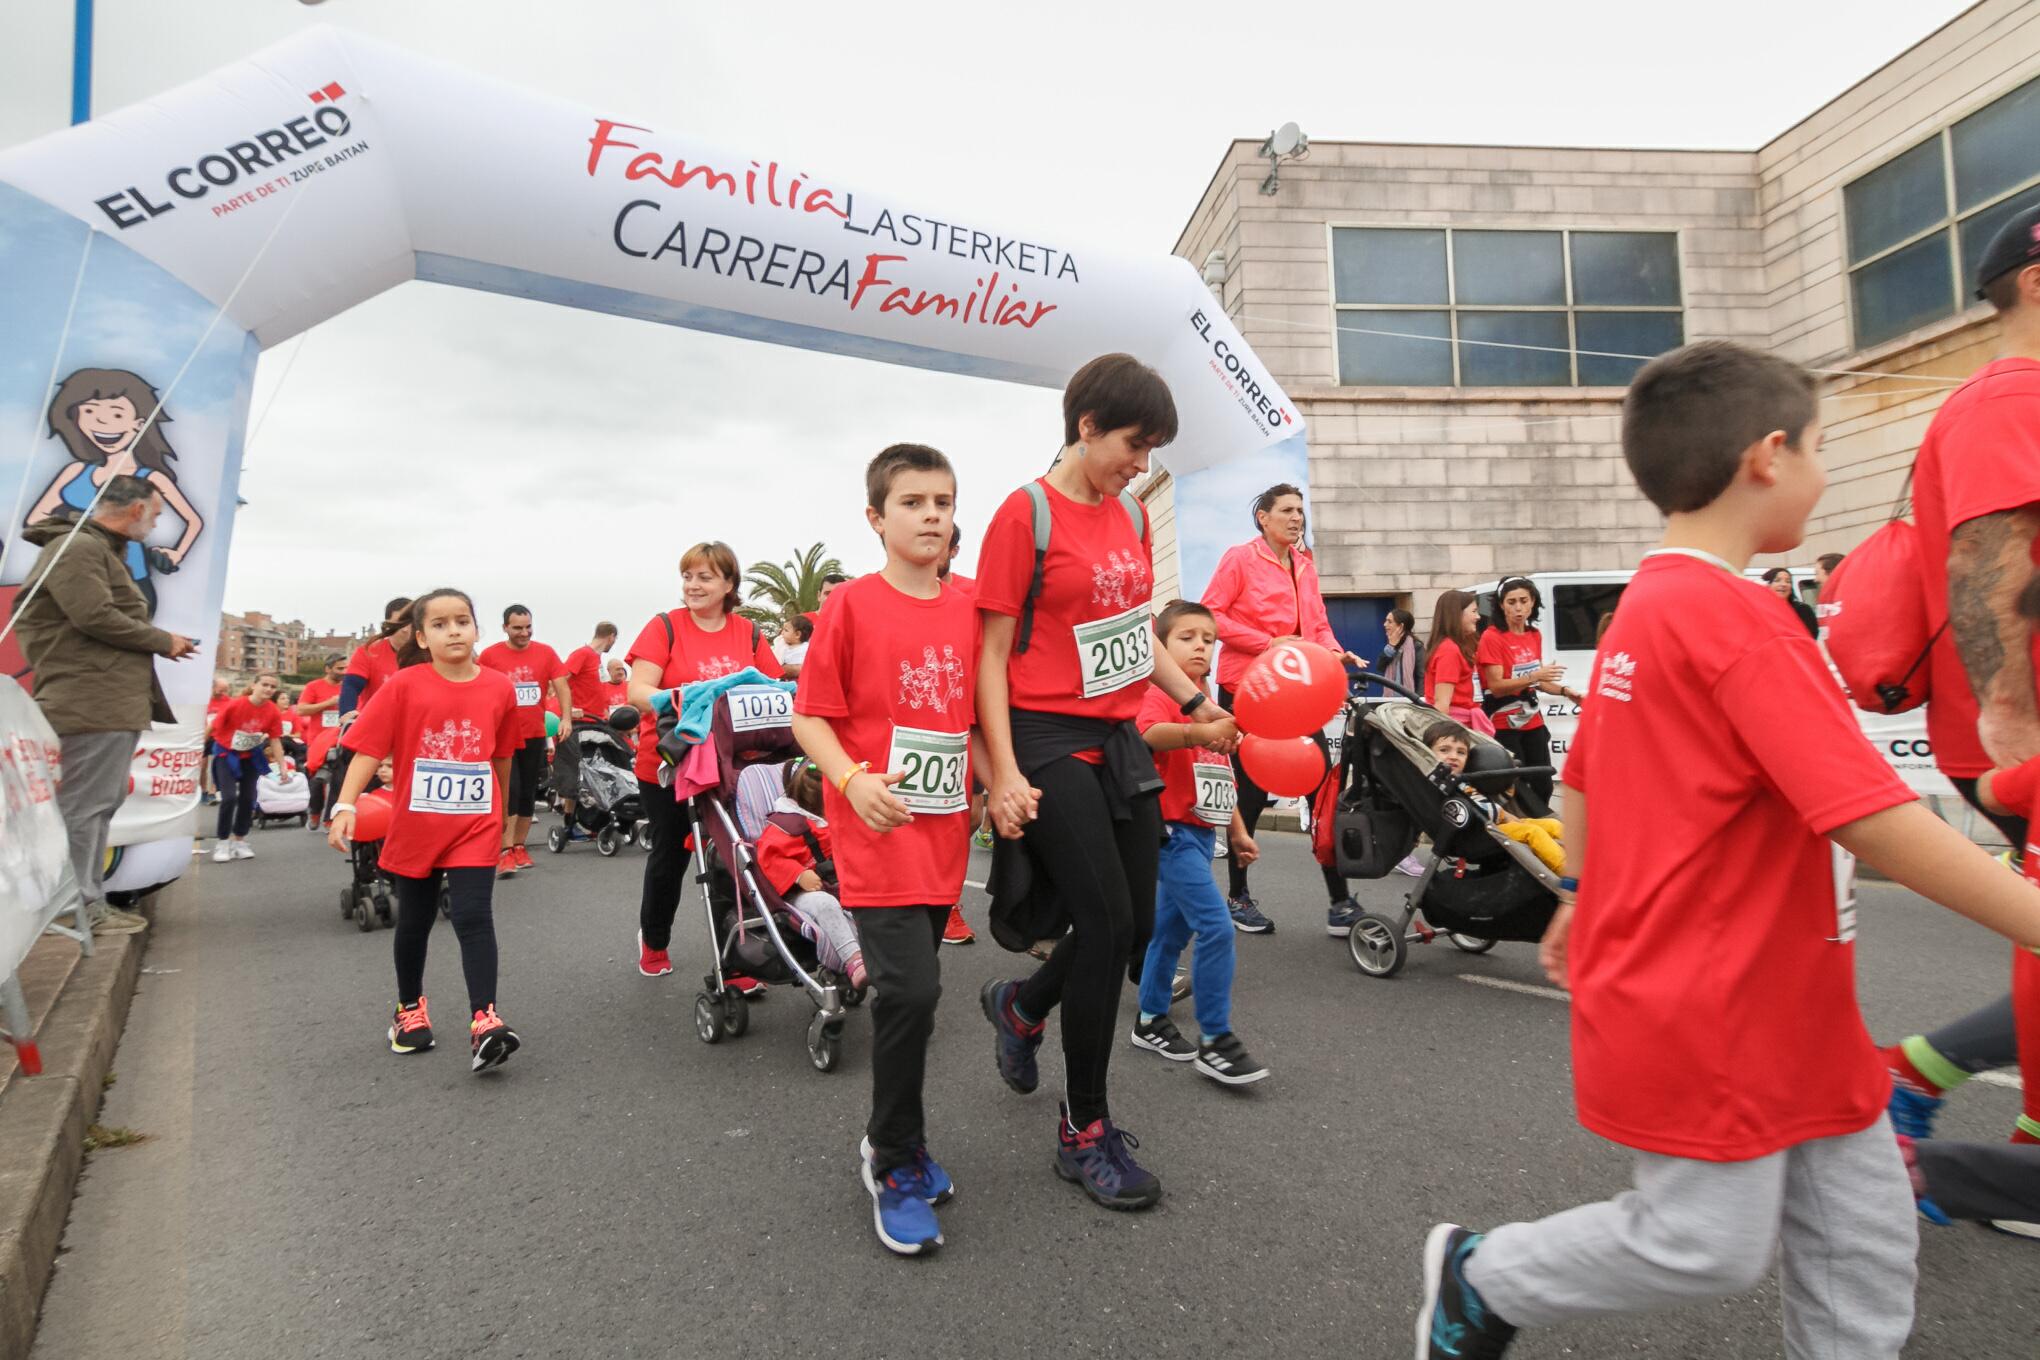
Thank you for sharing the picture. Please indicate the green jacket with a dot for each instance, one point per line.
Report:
(87, 635)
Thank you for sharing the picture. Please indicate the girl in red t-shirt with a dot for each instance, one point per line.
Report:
(705, 639)
(1513, 672)
(247, 739)
(1067, 769)
(1449, 685)
(449, 728)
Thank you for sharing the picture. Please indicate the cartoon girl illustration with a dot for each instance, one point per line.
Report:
(98, 412)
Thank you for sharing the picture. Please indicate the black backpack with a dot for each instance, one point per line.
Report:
(1043, 522)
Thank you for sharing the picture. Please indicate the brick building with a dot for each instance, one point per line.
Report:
(255, 642)
(1447, 317)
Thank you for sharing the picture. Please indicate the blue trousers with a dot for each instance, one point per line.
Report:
(1189, 905)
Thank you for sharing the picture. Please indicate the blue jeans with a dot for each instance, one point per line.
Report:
(1188, 903)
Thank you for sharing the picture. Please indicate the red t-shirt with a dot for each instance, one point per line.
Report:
(1198, 786)
(1093, 643)
(897, 679)
(447, 808)
(1981, 455)
(320, 728)
(1447, 666)
(585, 685)
(375, 663)
(243, 725)
(532, 671)
(783, 856)
(966, 584)
(1518, 654)
(692, 655)
(1712, 954)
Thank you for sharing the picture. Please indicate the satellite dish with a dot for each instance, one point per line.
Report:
(1288, 139)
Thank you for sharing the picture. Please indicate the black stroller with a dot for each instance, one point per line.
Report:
(751, 931)
(606, 802)
(1481, 887)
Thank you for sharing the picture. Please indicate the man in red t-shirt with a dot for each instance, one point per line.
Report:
(1976, 501)
(534, 669)
(318, 711)
(1711, 956)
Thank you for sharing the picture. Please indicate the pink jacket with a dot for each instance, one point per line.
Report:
(1256, 600)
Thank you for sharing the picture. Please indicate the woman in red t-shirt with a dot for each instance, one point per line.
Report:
(1061, 676)
(1449, 685)
(1513, 672)
(247, 740)
(704, 639)
(449, 728)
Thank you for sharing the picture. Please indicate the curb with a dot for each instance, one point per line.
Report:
(45, 1116)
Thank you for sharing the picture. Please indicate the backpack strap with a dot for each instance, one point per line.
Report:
(666, 618)
(1037, 501)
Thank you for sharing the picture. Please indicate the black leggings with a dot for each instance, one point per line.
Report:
(665, 867)
(1253, 801)
(473, 922)
(1531, 747)
(237, 796)
(1104, 873)
(527, 772)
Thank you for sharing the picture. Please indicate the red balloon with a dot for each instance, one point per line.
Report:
(372, 815)
(1292, 690)
(1291, 768)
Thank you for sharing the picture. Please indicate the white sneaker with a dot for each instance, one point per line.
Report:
(242, 850)
(2015, 1228)
(223, 852)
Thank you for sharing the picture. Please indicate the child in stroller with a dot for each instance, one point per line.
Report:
(798, 863)
(1545, 836)
(367, 899)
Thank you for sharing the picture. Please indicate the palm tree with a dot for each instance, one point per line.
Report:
(779, 590)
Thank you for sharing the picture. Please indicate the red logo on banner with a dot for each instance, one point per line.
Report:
(333, 91)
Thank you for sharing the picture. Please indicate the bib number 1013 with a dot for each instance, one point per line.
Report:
(458, 788)
(755, 707)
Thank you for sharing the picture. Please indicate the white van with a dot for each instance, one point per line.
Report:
(1576, 601)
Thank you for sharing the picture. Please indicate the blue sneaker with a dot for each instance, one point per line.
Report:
(1341, 917)
(905, 1222)
(1247, 917)
(1098, 1159)
(935, 1185)
(1015, 1042)
(1913, 1114)
(1454, 1323)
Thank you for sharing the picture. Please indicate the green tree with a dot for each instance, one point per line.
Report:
(779, 590)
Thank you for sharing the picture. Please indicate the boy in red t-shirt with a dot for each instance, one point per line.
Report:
(1711, 951)
(1200, 795)
(885, 710)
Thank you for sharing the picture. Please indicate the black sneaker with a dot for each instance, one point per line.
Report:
(1159, 1036)
(1099, 1159)
(1454, 1323)
(1341, 917)
(1247, 917)
(1015, 1042)
(1225, 1060)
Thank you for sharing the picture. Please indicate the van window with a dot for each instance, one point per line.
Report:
(1576, 613)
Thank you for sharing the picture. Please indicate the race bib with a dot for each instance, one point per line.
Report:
(248, 741)
(330, 718)
(527, 693)
(1845, 896)
(932, 769)
(756, 707)
(455, 788)
(1116, 652)
(1218, 793)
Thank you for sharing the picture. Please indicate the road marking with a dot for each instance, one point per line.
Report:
(973, 883)
(2008, 1080)
(1505, 984)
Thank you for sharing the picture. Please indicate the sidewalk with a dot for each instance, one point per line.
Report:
(79, 1007)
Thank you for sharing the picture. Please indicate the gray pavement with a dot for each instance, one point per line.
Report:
(621, 1189)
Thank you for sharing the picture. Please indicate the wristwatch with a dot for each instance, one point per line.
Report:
(1194, 702)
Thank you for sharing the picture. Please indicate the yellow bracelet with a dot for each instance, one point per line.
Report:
(843, 784)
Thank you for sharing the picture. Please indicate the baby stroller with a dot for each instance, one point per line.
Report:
(751, 930)
(282, 796)
(1481, 887)
(367, 901)
(606, 799)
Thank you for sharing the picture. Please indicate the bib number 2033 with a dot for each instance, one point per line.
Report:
(1115, 652)
(456, 788)
(1218, 793)
(932, 767)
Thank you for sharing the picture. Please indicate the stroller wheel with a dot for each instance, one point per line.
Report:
(708, 1019)
(643, 835)
(556, 840)
(364, 912)
(852, 996)
(347, 902)
(384, 908)
(607, 842)
(1377, 946)
(736, 1013)
(824, 1043)
(1472, 944)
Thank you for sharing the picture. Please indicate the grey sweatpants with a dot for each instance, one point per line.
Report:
(95, 784)
(1838, 1213)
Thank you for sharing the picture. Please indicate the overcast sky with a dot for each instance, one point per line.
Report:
(435, 436)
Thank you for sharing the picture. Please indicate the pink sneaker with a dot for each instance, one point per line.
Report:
(858, 977)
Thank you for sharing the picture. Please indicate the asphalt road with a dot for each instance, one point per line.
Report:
(621, 1189)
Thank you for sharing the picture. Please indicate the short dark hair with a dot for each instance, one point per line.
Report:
(1690, 414)
(801, 626)
(1829, 561)
(894, 459)
(1443, 728)
(400, 604)
(605, 629)
(1774, 573)
(122, 490)
(1515, 583)
(1407, 620)
(2002, 292)
(1176, 610)
(835, 578)
(1265, 502)
(512, 612)
(1118, 391)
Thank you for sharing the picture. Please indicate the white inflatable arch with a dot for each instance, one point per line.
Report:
(151, 255)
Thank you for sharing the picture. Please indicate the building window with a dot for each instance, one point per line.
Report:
(1455, 307)
(1917, 225)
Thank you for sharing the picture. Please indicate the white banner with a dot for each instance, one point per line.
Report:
(36, 881)
(163, 787)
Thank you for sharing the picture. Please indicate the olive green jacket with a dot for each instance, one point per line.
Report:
(87, 635)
